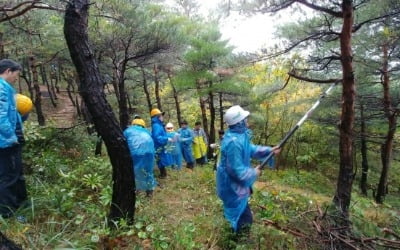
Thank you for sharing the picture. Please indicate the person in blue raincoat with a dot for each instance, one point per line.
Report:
(160, 138)
(141, 147)
(235, 176)
(13, 192)
(174, 147)
(186, 140)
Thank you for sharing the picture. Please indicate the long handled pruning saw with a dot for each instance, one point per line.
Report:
(302, 120)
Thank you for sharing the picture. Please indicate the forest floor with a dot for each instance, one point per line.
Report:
(63, 113)
(70, 191)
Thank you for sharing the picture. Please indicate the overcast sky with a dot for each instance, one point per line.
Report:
(247, 34)
(250, 34)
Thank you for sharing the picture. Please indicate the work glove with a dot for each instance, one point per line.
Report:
(258, 170)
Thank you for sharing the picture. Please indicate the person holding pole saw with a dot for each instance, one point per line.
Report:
(235, 176)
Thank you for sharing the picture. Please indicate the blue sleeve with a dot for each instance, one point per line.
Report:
(6, 129)
(186, 135)
(261, 152)
(159, 135)
(126, 133)
(237, 168)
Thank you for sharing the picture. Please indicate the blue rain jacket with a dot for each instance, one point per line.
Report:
(8, 115)
(160, 139)
(186, 140)
(142, 151)
(174, 148)
(235, 176)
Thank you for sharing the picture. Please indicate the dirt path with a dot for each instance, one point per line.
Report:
(64, 114)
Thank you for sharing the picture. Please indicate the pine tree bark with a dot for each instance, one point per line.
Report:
(2, 52)
(387, 147)
(221, 112)
(203, 110)
(157, 87)
(146, 90)
(105, 122)
(342, 196)
(364, 156)
(122, 100)
(45, 81)
(38, 93)
(204, 119)
(176, 100)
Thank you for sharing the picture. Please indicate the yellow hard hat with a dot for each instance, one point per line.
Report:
(24, 104)
(155, 111)
(139, 122)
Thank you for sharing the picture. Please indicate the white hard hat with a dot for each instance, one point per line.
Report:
(169, 125)
(235, 114)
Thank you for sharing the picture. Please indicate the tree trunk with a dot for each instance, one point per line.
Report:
(211, 138)
(44, 78)
(202, 103)
(146, 90)
(106, 124)
(122, 102)
(364, 163)
(26, 74)
(342, 196)
(2, 51)
(204, 115)
(131, 104)
(221, 112)
(99, 145)
(55, 76)
(157, 87)
(387, 147)
(176, 99)
(70, 90)
(38, 94)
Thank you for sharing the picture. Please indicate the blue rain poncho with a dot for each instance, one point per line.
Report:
(235, 176)
(174, 148)
(160, 139)
(142, 151)
(9, 117)
(186, 140)
(12, 182)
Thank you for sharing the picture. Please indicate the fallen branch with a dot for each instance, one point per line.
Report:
(285, 229)
(391, 232)
(344, 241)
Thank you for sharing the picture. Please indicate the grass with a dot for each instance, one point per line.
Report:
(70, 193)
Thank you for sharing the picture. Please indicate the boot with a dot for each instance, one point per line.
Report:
(163, 173)
(149, 193)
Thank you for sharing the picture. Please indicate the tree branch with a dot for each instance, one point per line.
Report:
(358, 26)
(22, 8)
(276, 8)
(306, 79)
(320, 8)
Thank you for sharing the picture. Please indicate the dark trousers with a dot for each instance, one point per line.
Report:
(12, 182)
(201, 160)
(245, 220)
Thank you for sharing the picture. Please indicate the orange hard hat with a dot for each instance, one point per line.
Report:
(155, 111)
(24, 104)
(139, 122)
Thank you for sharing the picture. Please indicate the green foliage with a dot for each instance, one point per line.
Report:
(70, 192)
